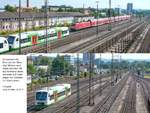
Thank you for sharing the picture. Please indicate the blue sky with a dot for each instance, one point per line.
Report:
(138, 4)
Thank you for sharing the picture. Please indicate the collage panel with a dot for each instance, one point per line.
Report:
(88, 82)
(78, 56)
(45, 28)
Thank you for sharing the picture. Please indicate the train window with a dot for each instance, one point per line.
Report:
(51, 97)
(65, 32)
(5, 42)
(11, 39)
(41, 37)
(17, 39)
(1, 45)
(61, 93)
(41, 96)
(53, 35)
(25, 40)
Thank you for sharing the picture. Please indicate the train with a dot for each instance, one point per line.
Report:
(31, 38)
(4, 46)
(95, 22)
(50, 95)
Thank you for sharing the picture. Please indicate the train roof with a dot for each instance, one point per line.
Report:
(24, 34)
(57, 87)
(2, 39)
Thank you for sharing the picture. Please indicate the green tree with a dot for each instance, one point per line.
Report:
(31, 69)
(60, 10)
(57, 66)
(10, 8)
(41, 72)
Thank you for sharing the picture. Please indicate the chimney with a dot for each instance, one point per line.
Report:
(27, 3)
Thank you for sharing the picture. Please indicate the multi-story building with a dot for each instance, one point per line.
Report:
(129, 8)
(86, 58)
(70, 59)
(31, 20)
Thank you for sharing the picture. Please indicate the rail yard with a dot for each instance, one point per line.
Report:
(104, 102)
(123, 88)
(128, 36)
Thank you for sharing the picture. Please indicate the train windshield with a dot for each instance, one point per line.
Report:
(11, 39)
(41, 96)
(1, 45)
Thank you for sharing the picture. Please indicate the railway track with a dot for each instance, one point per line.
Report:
(91, 44)
(76, 36)
(129, 105)
(84, 85)
(104, 105)
(145, 83)
(70, 105)
(128, 44)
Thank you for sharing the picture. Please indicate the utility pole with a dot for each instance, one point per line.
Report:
(109, 25)
(78, 85)
(46, 25)
(19, 26)
(91, 99)
(100, 76)
(97, 19)
(120, 66)
(112, 69)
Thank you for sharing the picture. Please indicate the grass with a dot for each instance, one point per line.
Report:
(147, 76)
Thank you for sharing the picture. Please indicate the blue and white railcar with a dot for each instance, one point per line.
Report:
(50, 95)
(4, 46)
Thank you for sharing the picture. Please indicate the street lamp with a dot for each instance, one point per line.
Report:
(19, 26)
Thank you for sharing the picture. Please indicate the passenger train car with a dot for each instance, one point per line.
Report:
(50, 95)
(37, 37)
(95, 22)
(4, 46)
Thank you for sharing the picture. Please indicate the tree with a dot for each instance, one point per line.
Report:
(60, 66)
(10, 8)
(41, 72)
(57, 66)
(60, 10)
(31, 69)
(42, 61)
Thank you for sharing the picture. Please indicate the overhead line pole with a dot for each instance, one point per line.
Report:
(19, 26)
(97, 19)
(109, 27)
(100, 76)
(78, 85)
(46, 25)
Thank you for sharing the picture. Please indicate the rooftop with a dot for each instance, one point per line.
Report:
(4, 15)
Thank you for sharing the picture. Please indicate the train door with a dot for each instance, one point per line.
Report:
(34, 40)
(55, 96)
(59, 34)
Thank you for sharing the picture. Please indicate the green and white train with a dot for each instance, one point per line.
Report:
(50, 95)
(36, 37)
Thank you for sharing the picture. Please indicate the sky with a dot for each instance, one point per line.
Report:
(132, 56)
(137, 4)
